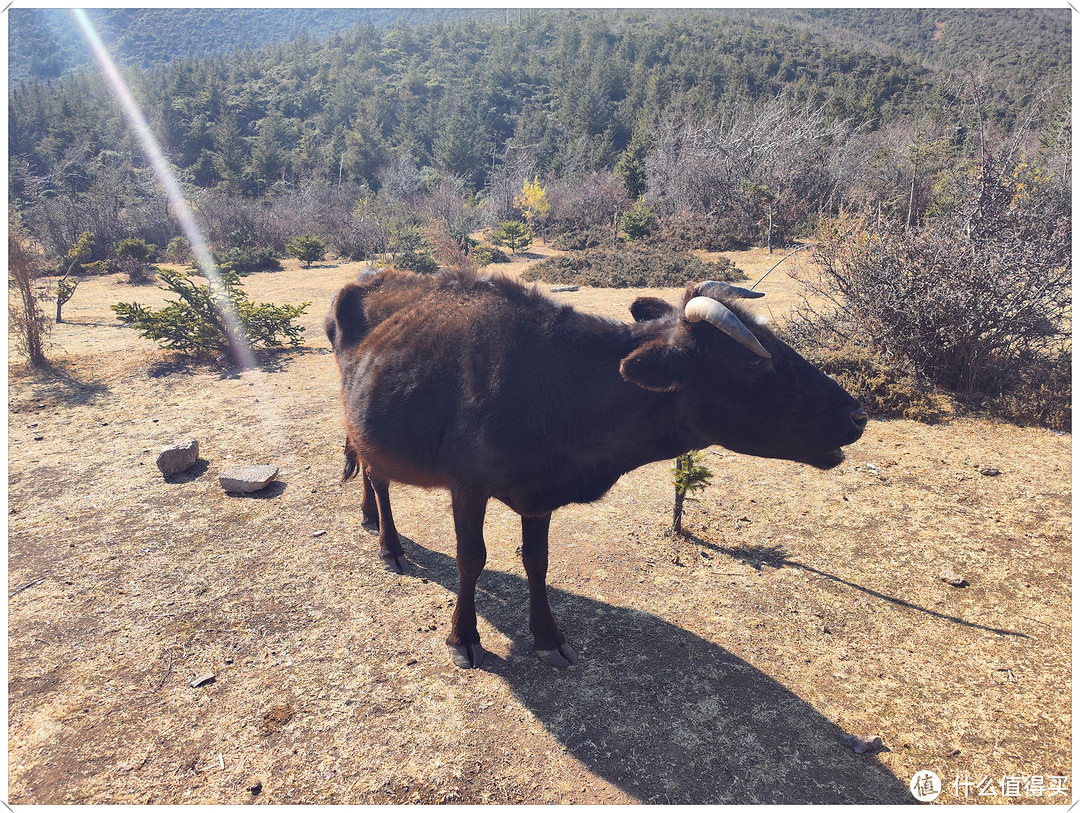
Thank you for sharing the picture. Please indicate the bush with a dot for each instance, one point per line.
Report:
(976, 301)
(248, 259)
(133, 256)
(969, 299)
(135, 249)
(690, 230)
(447, 250)
(419, 261)
(884, 389)
(631, 266)
(409, 251)
(513, 234)
(639, 221)
(307, 248)
(178, 251)
(486, 255)
(1039, 395)
(197, 323)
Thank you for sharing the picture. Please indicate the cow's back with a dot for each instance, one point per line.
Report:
(442, 375)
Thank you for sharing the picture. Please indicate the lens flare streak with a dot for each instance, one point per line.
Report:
(241, 349)
(149, 143)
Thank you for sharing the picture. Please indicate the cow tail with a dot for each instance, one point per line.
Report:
(353, 463)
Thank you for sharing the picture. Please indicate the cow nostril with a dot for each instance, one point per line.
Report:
(859, 418)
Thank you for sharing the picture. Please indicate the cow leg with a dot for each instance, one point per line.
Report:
(549, 642)
(464, 639)
(369, 506)
(390, 550)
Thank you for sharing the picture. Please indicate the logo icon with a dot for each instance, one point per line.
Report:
(926, 786)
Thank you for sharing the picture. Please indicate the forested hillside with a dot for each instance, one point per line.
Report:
(568, 92)
(654, 131)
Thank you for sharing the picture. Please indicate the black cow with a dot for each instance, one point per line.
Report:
(482, 386)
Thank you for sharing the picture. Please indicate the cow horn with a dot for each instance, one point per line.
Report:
(704, 309)
(712, 288)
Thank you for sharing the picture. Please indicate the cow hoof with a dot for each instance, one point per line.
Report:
(395, 564)
(468, 656)
(370, 524)
(562, 657)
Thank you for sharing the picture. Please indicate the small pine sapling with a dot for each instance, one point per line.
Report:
(691, 476)
(513, 234)
(78, 255)
(308, 249)
(213, 318)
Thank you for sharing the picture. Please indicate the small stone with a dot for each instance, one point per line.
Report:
(178, 457)
(319, 533)
(950, 577)
(255, 787)
(202, 680)
(247, 479)
(564, 289)
(989, 471)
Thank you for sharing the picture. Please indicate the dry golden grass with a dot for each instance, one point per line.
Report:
(721, 667)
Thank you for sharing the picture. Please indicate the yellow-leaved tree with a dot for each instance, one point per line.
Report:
(534, 203)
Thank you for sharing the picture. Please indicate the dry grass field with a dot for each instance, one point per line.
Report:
(725, 666)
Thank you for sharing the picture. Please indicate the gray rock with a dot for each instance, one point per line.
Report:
(247, 479)
(989, 471)
(861, 745)
(950, 577)
(564, 289)
(178, 457)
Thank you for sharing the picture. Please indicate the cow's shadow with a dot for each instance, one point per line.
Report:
(663, 714)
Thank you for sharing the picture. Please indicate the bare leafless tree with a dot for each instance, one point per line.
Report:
(978, 293)
(764, 162)
(28, 321)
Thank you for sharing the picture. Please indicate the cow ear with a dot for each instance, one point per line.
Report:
(655, 366)
(346, 323)
(648, 308)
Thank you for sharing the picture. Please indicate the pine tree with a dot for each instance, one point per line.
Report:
(513, 234)
(307, 248)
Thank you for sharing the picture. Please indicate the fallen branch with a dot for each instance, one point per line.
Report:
(166, 675)
(28, 585)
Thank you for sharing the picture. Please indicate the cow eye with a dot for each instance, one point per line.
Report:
(756, 363)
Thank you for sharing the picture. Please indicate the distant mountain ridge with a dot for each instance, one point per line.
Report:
(44, 44)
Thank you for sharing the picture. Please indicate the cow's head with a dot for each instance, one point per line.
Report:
(737, 384)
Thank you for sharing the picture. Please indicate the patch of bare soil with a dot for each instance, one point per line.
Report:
(721, 667)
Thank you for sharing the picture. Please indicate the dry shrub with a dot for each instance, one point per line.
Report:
(1039, 395)
(975, 302)
(28, 321)
(631, 266)
(693, 230)
(884, 389)
(447, 251)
